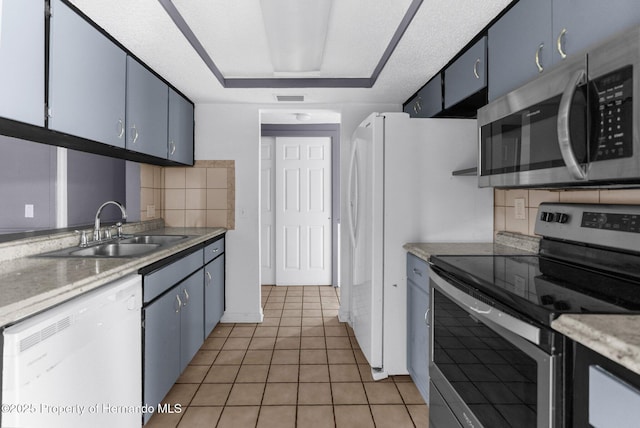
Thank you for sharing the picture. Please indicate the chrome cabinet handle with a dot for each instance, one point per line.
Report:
(120, 128)
(538, 64)
(564, 135)
(215, 250)
(559, 41)
(475, 68)
(179, 303)
(417, 272)
(426, 316)
(172, 147)
(209, 277)
(135, 134)
(186, 297)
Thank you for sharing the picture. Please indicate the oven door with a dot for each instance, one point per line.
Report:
(485, 369)
(537, 134)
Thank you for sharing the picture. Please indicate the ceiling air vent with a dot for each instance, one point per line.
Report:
(290, 98)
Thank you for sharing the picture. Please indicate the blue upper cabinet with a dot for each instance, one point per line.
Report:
(180, 147)
(147, 111)
(520, 46)
(22, 59)
(428, 101)
(579, 24)
(87, 80)
(467, 75)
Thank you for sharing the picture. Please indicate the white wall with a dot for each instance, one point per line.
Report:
(232, 132)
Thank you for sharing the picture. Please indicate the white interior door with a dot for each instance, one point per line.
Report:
(303, 210)
(267, 203)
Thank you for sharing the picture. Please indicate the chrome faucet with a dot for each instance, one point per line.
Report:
(96, 229)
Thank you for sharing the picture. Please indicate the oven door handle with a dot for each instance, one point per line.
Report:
(563, 129)
(514, 325)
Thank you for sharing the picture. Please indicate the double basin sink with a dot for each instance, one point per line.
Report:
(132, 246)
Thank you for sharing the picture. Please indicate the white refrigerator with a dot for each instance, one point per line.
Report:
(400, 189)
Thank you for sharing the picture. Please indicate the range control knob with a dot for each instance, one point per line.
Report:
(546, 216)
(561, 217)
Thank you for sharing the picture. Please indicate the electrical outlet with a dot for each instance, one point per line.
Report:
(520, 211)
(151, 211)
(28, 211)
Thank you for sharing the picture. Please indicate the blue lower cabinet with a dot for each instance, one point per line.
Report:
(417, 323)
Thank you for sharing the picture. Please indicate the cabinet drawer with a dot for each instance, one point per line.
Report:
(418, 271)
(159, 281)
(213, 250)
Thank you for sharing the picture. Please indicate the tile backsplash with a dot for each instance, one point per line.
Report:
(198, 196)
(504, 218)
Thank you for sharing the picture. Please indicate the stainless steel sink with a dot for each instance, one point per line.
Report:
(153, 239)
(115, 250)
(133, 246)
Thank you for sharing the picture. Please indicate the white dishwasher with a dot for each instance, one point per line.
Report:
(77, 364)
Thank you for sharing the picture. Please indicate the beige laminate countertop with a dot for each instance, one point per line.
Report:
(32, 284)
(617, 337)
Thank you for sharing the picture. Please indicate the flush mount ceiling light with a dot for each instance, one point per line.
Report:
(296, 33)
(303, 117)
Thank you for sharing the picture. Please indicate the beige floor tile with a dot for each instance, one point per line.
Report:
(238, 416)
(312, 342)
(315, 313)
(419, 414)
(222, 374)
(200, 417)
(163, 420)
(236, 343)
(312, 305)
(269, 322)
(193, 374)
(313, 321)
(312, 331)
(291, 322)
(313, 356)
(180, 394)
(336, 331)
(280, 394)
(338, 343)
(314, 393)
(253, 373)
(229, 357)
(288, 313)
(332, 322)
(288, 331)
(292, 305)
(283, 373)
(344, 373)
(246, 394)
(348, 393)
(204, 358)
(341, 356)
(277, 417)
(222, 330)
(286, 356)
(212, 394)
(272, 313)
(262, 343)
(354, 417)
(329, 313)
(391, 416)
(274, 305)
(241, 330)
(311, 298)
(276, 298)
(316, 417)
(257, 356)
(382, 393)
(293, 299)
(409, 392)
(287, 343)
(314, 373)
(213, 343)
(266, 331)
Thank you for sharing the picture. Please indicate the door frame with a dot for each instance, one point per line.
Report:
(331, 130)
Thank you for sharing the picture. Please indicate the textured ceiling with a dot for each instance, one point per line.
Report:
(232, 34)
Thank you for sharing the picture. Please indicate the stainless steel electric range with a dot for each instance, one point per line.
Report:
(495, 360)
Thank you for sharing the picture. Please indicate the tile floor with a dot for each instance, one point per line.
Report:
(301, 367)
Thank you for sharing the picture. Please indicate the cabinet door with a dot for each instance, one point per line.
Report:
(161, 347)
(467, 75)
(22, 59)
(418, 338)
(519, 46)
(191, 317)
(180, 129)
(579, 24)
(87, 78)
(430, 98)
(147, 111)
(213, 294)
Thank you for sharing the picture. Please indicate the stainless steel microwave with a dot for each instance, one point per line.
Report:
(576, 125)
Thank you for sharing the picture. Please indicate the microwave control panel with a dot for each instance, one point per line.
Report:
(615, 116)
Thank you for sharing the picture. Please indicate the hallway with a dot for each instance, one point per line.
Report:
(300, 367)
